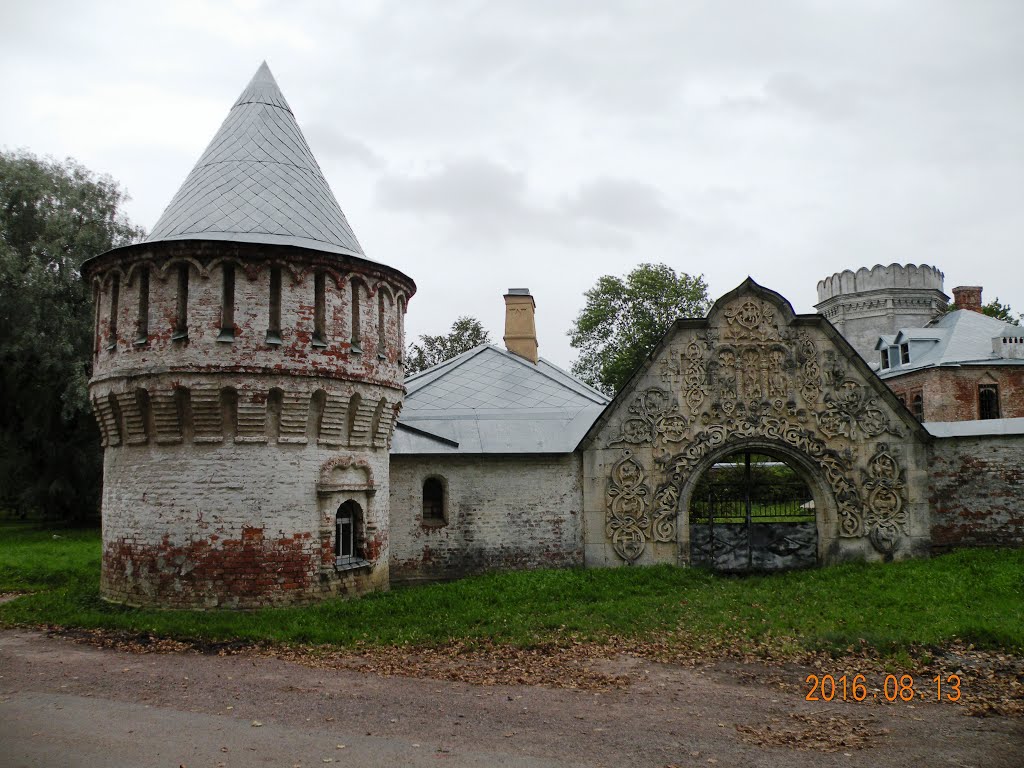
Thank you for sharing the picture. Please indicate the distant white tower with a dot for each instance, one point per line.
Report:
(869, 303)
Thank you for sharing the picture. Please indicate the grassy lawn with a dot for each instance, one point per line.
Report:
(974, 596)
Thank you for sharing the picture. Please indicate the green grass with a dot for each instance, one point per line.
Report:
(975, 596)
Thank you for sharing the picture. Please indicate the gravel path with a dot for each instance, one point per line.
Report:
(64, 703)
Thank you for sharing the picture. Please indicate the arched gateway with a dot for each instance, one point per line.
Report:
(754, 378)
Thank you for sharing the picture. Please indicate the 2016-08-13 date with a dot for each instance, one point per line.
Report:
(894, 688)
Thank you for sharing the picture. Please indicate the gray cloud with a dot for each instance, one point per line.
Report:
(326, 139)
(787, 140)
(481, 197)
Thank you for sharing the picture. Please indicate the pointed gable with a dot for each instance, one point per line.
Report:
(258, 182)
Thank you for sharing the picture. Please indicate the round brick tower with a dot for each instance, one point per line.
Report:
(247, 377)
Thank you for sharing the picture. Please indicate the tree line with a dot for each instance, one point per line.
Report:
(53, 216)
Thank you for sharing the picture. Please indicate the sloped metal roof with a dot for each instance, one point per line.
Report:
(488, 400)
(960, 337)
(258, 182)
(975, 428)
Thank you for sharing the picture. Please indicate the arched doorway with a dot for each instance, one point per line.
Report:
(751, 510)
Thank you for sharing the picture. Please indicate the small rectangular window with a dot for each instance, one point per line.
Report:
(115, 298)
(917, 406)
(274, 326)
(181, 314)
(97, 295)
(433, 501)
(905, 354)
(320, 309)
(227, 303)
(356, 309)
(988, 401)
(142, 329)
(885, 359)
(382, 339)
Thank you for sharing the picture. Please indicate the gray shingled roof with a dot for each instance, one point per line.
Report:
(258, 182)
(961, 337)
(488, 400)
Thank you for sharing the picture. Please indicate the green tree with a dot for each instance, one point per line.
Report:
(624, 319)
(53, 216)
(996, 309)
(466, 333)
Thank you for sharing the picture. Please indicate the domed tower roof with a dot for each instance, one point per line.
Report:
(258, 182)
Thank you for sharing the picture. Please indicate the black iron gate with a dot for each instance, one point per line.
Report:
(752, 513)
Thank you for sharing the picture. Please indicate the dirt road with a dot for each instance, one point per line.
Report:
(68, 704)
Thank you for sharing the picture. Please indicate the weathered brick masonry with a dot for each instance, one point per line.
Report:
(977, 491)
(213, 487)
(504, 512)
(951, 394)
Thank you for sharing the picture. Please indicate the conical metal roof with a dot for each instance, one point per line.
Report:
(258, 182)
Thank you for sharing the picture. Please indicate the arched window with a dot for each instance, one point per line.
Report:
(346, 540)
(917, 406)
(433, 502)
(988, 401)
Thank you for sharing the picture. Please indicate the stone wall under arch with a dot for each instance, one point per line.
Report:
(755, 373)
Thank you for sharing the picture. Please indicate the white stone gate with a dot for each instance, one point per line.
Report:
(755, 376)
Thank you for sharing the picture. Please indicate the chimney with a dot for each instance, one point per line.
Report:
(520, 330)
(967, 297)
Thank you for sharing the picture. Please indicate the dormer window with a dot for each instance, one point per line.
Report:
(905, 354)
(885, 359)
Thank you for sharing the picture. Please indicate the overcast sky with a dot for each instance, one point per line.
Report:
(480, 146)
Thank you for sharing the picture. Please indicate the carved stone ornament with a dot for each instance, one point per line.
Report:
(852, 411)
(885, 516)
(656, 420)
(751, 320)
(627, 523)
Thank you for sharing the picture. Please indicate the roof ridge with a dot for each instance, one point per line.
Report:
(592, 390)
(447, 366)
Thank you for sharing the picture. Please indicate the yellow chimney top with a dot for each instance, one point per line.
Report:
(520, 329)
